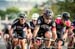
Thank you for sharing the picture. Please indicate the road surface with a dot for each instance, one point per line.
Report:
(2, 44)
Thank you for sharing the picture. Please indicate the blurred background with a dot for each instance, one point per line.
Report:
(9, 9)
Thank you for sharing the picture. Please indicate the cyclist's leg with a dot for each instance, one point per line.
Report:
(59, 41)
(6, 37)
(71, 39)
(71, 43)
(23, 41)
(48, 35)
(14, 40)
(32, 45)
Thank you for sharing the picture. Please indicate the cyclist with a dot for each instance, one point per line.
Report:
(20, 28)
(46, 27)
(32, 25)
(17, 19)
(6, 31)
(62, 25)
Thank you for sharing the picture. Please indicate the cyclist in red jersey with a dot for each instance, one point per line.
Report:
(62, 25)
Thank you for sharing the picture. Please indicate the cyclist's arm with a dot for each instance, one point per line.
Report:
(11, 32)
(68, 28)
(25, 30)
(65, 34)
(35, 31)
(29, 31)
(54, 35)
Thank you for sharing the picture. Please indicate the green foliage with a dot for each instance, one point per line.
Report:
(2, 14)
(12, 10)
(12, 16)
(34, 10)
(68, 7)
(55, 8)
(9, 11)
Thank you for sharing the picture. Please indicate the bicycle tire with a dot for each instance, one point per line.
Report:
(17, 47)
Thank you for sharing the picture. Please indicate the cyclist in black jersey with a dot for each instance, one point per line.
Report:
(33, 22)
(32, 25)
(20, 28)
(46, 27)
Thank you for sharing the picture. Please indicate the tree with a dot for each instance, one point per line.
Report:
(67, 6)
(55, 10)
(2, 14)
(12, 10)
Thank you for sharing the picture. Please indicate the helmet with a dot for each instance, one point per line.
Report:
(59, 16)
(65, 15)
(48, 13)
(35, 16)
(22, 15)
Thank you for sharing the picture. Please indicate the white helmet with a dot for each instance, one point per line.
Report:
(35, 16)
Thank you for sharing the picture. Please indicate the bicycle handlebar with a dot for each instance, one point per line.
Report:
(40, 38)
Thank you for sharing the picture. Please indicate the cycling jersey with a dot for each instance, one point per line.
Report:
(18, 28)
(44, 27)
(16, 20)
(32, 26)
(62, 27)
(6, 31)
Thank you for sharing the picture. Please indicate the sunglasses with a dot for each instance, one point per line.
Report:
(22, 19)
(49, 18)
(34, 20)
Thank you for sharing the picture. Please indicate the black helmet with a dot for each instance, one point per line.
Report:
(48, 13)
(65, 15)
(22, 15)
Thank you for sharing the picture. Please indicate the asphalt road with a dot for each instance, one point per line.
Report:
(2, 44)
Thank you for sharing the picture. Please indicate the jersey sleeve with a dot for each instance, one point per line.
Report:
(40, 20)
(53, 26)
(13, 25)
(28, 25)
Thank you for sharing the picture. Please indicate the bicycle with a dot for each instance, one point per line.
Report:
(42, 46)
(9, 43)
(18, 46)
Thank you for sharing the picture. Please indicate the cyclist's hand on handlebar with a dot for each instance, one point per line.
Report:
(29, 36)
